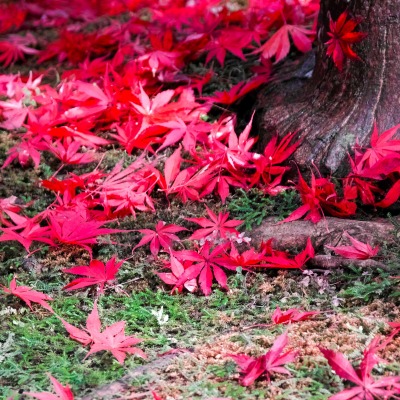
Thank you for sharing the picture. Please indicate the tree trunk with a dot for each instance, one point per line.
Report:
(331, 109)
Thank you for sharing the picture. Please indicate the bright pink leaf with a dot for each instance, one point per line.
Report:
(272, 362)
(278, 44)
(112, 338)
(358, 250)
(342, 36)
(62, 392)
(162, 236)
(97, 273)
(291, 315)
(366, 386)
(216, 227)
(28, 295)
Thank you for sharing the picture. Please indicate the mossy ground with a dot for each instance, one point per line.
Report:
(200, 332)
(356, 304)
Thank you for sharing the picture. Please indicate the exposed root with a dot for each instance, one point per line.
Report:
(328, 231)
(331, 262)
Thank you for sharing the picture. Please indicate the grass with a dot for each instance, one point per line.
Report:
(32, 344)
(254, 206)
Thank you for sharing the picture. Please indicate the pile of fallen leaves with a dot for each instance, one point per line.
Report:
(126, 83)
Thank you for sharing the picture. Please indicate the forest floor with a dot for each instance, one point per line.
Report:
(188, 338)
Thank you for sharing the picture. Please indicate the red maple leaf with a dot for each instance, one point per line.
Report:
(227, 40)
(164, 53)
(216, 227)
(291, 315)
(23, 151)
(77, 46)
(366, 386)
(287, 317)
(272, 362)
(112, 338)
(156, 396)
(28, 295)
(184, 183)
(381, 147)
(62, 392)
(67, 152)
(125, 190)
(321, 196)
(278, 44)
(149, 108)
(177, 270)
(97, 273)
(237, 91)
(80, 132)
(74, 227)
(15, 47)
(178, 129)
(342, 37)
(27, 232)
(11, 16)
(391, 197)
(280, 259)
(206, 265)
(358, 250)
(247, 259)
(9, 208)
(394, 325)
(163, 236)
(83, 99)
(267, 165)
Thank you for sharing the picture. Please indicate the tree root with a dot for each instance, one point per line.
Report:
(119, 388)
(328, 231)
(327, 262)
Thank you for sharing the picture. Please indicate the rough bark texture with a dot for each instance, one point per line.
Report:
(326, 232)
(330, 109)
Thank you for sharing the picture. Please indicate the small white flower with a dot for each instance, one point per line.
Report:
(162, 318)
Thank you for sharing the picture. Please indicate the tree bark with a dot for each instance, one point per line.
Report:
(331, 109)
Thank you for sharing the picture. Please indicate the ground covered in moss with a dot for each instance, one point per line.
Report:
(153, 66)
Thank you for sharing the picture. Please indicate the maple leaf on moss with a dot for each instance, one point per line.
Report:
(112, 338)
(291, 315)
(342, 36)
(24, 151)
(319, 197)
(28, 295)
(215, 227)
(73, 227)
(68, 152)
(252, 368)
(207, 265)
(177, 269)
(29, 230)
(366, 387)
(96, 273)
(62, 392)
(162, 236)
